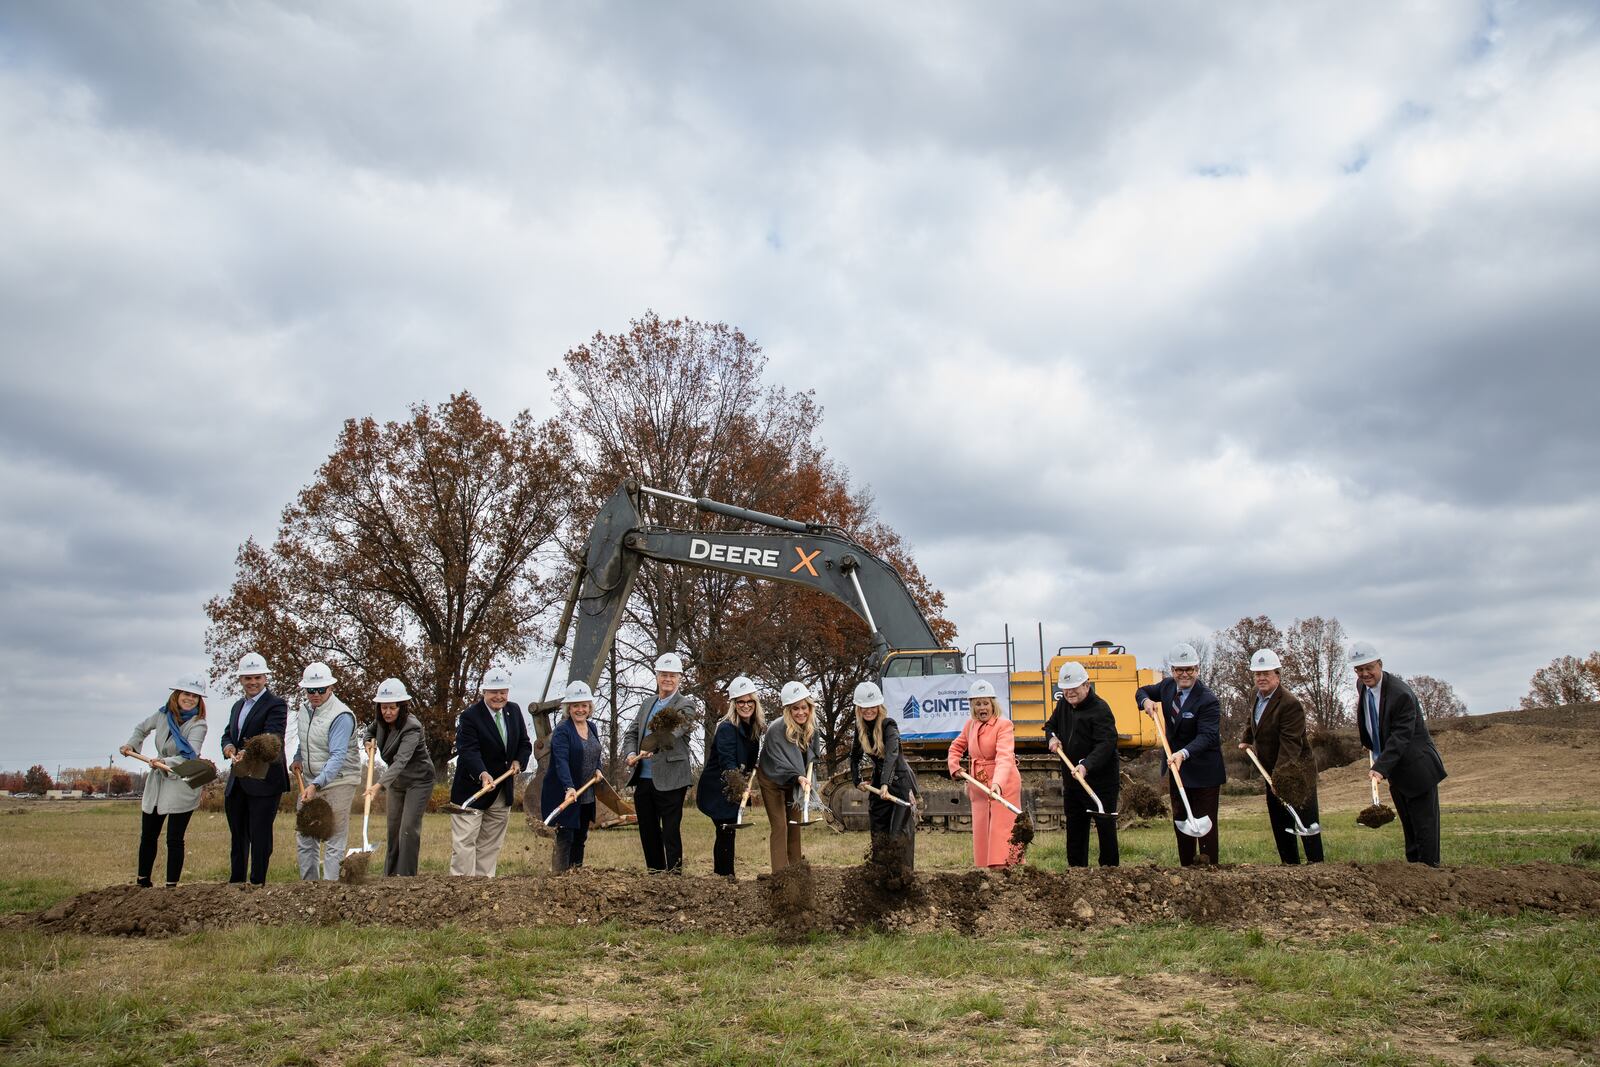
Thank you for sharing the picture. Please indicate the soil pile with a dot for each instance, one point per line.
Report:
(1375, 815)
(1294, 783)
(314, 819)
(1324, 899)
(260, 753)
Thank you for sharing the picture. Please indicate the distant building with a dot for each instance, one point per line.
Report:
(63, 794)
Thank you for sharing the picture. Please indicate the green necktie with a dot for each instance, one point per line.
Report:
(500, 724)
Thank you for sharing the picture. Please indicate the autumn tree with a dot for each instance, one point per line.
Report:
(13, 782)
(1436, 697)
(1317, 670)
(37, 779)
(414, 553)
(681, 405)
(1567, 680)
(120, 784)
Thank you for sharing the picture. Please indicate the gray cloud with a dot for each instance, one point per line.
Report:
(1135, 320)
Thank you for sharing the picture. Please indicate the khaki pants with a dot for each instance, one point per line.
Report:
(475, 840)
(319, 860)
(784, 840)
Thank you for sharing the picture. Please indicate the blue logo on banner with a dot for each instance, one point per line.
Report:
(912, 710)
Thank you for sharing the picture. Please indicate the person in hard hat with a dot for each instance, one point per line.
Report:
(1277, 731)
(660, 782)
(1083, 729)
(180, 729)
(251, 804)
(575, 756)
(734, 747)
(877, 740)
(330, 764)
(1192, 717)
(407, 778)
(989, 744)
(789, 754)
(491, 739)
(1403, 753)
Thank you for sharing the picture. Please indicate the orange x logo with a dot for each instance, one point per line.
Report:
(805, 561)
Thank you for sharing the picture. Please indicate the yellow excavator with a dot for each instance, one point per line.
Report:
(925, 686)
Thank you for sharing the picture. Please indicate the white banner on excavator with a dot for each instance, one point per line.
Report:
(935, 707)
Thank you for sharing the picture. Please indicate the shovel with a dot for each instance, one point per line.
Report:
(565, 804)
(366, 807)
(1192, 826)
(465, 807)
(1299, 829)
(1099, 807)
(992, 794)
(744, 802)
(805, 807)
(194, 773)
(882, 793)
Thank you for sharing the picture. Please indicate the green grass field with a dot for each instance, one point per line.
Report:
(1468, 990)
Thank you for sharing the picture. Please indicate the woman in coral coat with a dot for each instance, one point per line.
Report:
(990, 745)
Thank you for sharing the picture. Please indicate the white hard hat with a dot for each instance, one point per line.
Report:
(794, 692)
(981, 688)
(577, 693)
(251, 663)
(1071, 675)
(868, 695)
(190, 683)
(1183, 655)
(497, 678)
(1363, 652)
(1265, 660)
(740, 687)
(317, 676)
(391, 691)
(670, 663)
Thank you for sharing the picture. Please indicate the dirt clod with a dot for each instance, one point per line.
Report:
(354, 868)
(1375, 815)
(792, 900)
(314, 819)
(1294, 784)
(1021, 837)
(260, 753)
(662, 724)
(734, 784)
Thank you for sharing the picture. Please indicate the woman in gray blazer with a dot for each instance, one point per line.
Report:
(407, 776)
(180, 729)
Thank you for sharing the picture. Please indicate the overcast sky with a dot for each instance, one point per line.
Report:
(1135, 320)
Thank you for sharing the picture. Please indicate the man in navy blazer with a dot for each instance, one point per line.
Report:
(1192, 717)
(251, 804)
(1403, 754)
(491, 738)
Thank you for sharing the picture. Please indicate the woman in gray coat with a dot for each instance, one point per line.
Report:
(180, 729)
(407, 776)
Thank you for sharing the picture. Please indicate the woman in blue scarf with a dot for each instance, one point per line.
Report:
(180, 729)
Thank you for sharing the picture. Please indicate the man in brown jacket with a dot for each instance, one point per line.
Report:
(1277, 731)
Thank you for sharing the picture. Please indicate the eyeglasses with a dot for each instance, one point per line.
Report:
(318, 691)
(744, 703)
(1186, 670)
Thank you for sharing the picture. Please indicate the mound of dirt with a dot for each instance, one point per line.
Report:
(314, 819)
(1323, 899)
(1375, 815)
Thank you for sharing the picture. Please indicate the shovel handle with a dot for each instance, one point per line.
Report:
(565, 804)
(486, 790)
(1249, 750)
(882, 792)
(1370, 764)
(1083, 781)
(992, 794)
(159, 765)
(1177, 777)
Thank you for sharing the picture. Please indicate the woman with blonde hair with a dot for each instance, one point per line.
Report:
(733, 749)
(180, 729)
(878, 740)
(991, 747)
(789, 753)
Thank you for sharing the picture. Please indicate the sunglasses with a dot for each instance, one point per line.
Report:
(319, 690)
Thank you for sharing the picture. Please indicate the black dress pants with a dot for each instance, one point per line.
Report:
(1204, 801)
(722, 850)
(1078, 809)
(1419, 819)
(1283, 834)
(150, 839)
(250, 822)
(660, 813)
(570, 841)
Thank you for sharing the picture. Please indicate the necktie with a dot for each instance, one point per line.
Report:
(500, 724)
(1372, 721)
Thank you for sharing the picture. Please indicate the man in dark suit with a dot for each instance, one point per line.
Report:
(1084, 730)
(491, 738)
(1192, 717)
(251, 804)
(1277, 732)
(1392, 728)
(660, 782)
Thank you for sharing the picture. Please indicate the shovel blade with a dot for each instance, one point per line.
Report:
(1199, 827)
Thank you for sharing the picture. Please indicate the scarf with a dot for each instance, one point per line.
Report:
(185, 749)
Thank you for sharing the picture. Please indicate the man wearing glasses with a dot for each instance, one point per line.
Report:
(330, 767)
(1192, 717)
(1403, 755)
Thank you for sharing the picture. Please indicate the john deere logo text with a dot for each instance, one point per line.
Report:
(742, 555)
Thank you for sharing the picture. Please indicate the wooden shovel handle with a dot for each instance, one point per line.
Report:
(152, 762)
(1083, 781)
(1249, 750)
(992, 794)
(1371, 763)
(486, 790)
(565, 804)
(882, 792)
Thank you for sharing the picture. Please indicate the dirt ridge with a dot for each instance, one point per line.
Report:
(1323, 899)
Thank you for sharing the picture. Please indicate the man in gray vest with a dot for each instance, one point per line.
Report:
(331, 766)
